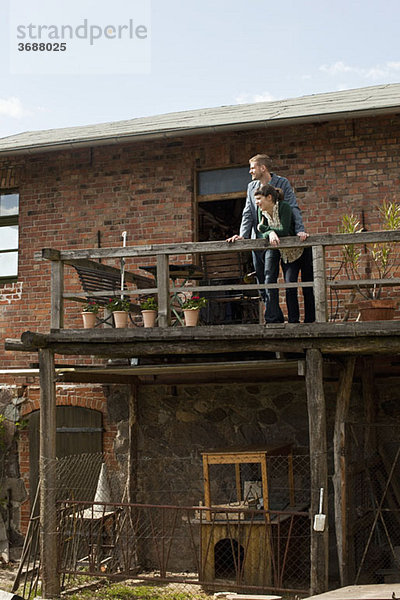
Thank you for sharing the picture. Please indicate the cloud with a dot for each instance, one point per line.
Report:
(388, 69)
(250, 98)
(12, 107)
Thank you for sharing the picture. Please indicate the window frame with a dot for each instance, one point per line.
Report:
(6, 221)
(213, 197)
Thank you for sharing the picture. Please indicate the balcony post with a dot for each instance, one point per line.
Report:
(47, 468)
(164, 306)
(319, 468)
(57, 291)
(319, 284)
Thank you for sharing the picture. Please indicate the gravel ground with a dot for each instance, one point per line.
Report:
(7, 576)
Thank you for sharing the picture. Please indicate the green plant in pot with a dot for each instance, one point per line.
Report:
(149, 304)
(379, 261)
(149, 308)
(191, 308)
(120, 309)
(118, 304)
(91, 307)
(89, 312)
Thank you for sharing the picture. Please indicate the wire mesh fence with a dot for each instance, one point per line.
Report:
(175, 539)
(195, 546)
(374, 504)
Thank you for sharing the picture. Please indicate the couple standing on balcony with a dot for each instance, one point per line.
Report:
(271, 211)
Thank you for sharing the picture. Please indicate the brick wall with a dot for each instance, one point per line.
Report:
(147, 189)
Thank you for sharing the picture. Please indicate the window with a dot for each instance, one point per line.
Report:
(9, 207)
(221, 196)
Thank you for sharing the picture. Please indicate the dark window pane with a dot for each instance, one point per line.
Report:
(224, 181)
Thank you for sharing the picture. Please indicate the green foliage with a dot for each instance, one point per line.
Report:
(194, 302)
(149, 304)
(21, 424)
(384, 255)
(118, 304)
(119, 591)
(92, 307)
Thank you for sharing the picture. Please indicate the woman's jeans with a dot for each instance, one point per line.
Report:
(291, 274)
(266, 264)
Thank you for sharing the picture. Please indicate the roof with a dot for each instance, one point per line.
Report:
(359, 102)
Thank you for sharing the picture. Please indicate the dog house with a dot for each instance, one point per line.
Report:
(237, 545)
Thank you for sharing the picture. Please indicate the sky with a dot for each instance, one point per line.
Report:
(196, 54)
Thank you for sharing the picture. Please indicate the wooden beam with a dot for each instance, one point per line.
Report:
(330, 338)
(164, 305)
(57, 290)
(340, 467)
(318, 467)
(338, 239)
(370, 408)
(48, 254)
(48, 480)
(321, 307)
(133, 444)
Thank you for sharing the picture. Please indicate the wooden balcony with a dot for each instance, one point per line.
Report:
(168, 256)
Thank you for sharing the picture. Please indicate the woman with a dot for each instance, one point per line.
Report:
(275, 218)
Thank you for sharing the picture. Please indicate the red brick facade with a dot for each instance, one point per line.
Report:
(148, 189)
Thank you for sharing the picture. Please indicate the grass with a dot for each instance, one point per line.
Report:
(118, 591)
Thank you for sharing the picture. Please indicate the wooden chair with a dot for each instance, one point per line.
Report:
(234, 306)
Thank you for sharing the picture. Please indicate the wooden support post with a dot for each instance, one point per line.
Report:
(164, 306)
(321, 306)
(133, 443)
(368, 396)
(318, 466)
(207, 491)
(57, 291)
(340, 466)
(47, 470)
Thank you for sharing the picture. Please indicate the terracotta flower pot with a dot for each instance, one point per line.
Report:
(120, 318)
(191, 316)
(149, 318)
(89, 320)
(377, 310)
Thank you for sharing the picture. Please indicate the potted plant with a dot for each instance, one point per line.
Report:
(380, 262)
(149, 308)
(120, 309)
(89, 312)
(191, 308)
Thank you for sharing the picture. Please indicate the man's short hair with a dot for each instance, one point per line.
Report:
(262, 159)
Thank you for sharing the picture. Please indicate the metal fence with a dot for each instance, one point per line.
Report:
(374, 504)
(238, 548)
(177, 542)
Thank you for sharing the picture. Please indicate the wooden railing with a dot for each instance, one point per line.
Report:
(163, 252)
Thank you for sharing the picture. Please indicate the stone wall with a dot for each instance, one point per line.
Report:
(12, 488)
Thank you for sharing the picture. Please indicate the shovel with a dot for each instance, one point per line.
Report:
(319, 519)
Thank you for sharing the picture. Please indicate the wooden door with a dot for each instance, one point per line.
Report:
(79, 431)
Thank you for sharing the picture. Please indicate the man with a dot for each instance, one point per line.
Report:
(266, 263)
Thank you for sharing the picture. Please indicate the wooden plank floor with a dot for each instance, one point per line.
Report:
(381, 591)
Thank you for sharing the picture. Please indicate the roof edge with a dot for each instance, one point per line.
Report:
(166, 133)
